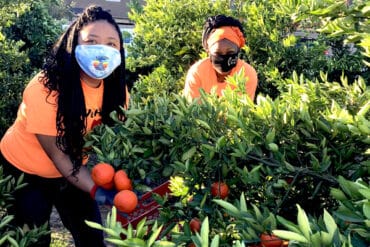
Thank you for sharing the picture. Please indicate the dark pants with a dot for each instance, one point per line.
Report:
(33, 206)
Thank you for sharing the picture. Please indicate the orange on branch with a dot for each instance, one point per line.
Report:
(219, 189)
(195, 225)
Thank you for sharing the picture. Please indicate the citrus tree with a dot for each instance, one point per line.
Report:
(11, 235)
(167, 41)
(26, 33)
(288, 156)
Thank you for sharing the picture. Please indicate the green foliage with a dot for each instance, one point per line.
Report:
(9, 234)
(13, 76)
(277, 152)
(159, 82)
(285, 150)
(37, 29)
(26, 32)
(250, 222)
(349, 20)
(353, 212)
(308, 232)
(349, 225)
(168, 34)
(141, 236)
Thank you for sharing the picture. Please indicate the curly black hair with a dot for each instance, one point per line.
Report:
(218, 21)
(62, 75)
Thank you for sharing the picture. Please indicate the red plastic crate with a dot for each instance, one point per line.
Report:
(147, 207)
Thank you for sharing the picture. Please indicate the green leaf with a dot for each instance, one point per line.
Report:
(273, 147)
(288, 224)
(140, 230)
(204, 231)
(270, 136)
(6, 220)
(131, 242)
(315, 239)
(113, 218)
(290, 236)
(303, 223)
(257, 213)
(326, 238)
(243, 205)
(3, 239)
(188, 154)
(365, 193)
(215, 241)
(351, 188)
(146, 130)
(231, 209)
(203, 124)
(330, 224)
(338, 194)
(366, 209)
(348, 215)
(12, 241)
(94, 225)
(118, 242)
(288, 166)
(154, 236)
(163, 243)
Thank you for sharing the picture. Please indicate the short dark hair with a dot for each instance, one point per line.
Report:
(217, 21)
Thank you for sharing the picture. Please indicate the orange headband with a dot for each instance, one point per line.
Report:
(230, 33)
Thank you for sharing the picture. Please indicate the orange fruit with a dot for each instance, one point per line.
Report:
(195, 225)
(102, 174)
(268, 240)
(219, 189)
(108, 186)
(125, 201)
(122, 181)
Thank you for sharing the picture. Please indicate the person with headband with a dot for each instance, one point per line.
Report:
(81, 83)
(222, 39)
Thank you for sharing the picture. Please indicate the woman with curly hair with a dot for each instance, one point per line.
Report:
(81, 83)
(223, 37)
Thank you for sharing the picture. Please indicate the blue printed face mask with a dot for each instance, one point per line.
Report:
(97, 61)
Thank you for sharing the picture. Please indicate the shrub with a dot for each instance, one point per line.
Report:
(9, 234)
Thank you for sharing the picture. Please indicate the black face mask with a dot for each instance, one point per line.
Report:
(224, 63)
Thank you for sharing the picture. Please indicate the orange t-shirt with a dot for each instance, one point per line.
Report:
(203, 75)
(37, 115)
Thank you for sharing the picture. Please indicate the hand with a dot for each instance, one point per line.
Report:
(103, 196)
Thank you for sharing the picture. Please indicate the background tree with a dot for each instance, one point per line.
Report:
(37, 29)
(26, 32)
(168, 34)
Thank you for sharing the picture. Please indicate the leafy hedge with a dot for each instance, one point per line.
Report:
(278, 153)
(299, 153)
(306, 130)
(278, 39)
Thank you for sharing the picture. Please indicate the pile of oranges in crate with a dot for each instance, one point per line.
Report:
(132, 209)
(105, 176)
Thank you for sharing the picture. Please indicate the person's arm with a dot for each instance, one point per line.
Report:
(127, 99)
(63, 163)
